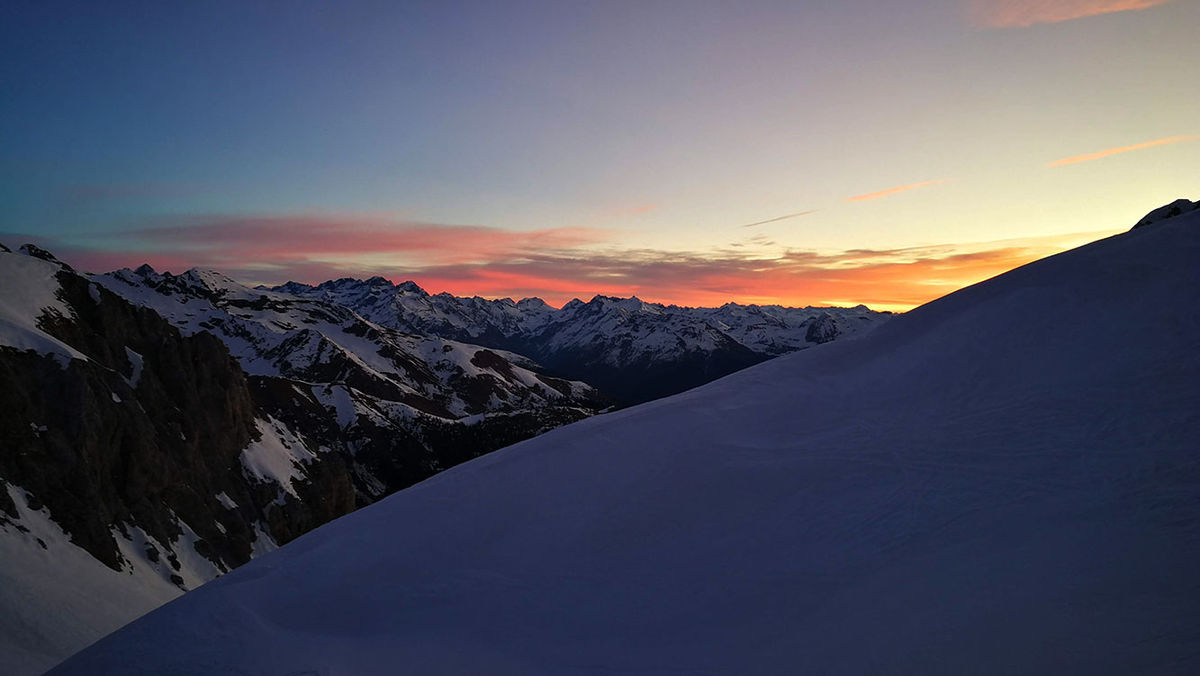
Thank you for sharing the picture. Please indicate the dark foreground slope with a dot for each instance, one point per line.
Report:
(1003, 481)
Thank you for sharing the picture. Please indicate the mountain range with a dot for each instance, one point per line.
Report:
(628, 348)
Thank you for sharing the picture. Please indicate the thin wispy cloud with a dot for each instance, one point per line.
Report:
(1025, 13)
(1099, 154)
(891, 191)
(779, 218)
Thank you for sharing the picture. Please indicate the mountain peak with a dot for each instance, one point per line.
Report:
(410, 286)
(532, 303)
(1179, 206)
(35, 251)
(630, 304)
(292, 287)
(209, 278)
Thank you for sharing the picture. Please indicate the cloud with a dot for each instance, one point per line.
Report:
(1122, 149)
(556, 264)
(891, 191)
(276, 239)
(1024, 13)
(780, 218)
(896, 279)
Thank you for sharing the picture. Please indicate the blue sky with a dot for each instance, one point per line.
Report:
(569, 148)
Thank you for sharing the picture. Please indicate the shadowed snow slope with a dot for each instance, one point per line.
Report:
(1002, 481)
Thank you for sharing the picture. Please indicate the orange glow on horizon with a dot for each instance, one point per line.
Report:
(873, 279)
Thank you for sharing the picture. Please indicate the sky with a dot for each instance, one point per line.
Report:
(801, 152)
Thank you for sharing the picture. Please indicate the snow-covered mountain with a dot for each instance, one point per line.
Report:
(140, 459)
(135, 463)
(628, 348)
(402, 406)
(1004, 480)
(276, 334)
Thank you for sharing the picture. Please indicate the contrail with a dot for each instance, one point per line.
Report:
(780, 218)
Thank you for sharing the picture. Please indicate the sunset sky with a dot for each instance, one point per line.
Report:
(692, 152)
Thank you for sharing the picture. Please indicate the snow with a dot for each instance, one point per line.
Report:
(1002, 481)
(226, 501)
(277, 334)
(634, 328)
(277, 455)
(338, 398)
(194, 569)
(57, 599)
(137, 364)
(263, 543)
(28, 290)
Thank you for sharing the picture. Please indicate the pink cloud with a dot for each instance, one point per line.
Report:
(1024, 13)
(274, 239)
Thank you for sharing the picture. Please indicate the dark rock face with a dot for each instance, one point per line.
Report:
(380, 458)
(645, 378)
(105, 451)
(108, 442)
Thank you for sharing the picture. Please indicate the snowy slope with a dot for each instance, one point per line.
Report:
(28, 293)
(1005, 480)
(56, 598)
